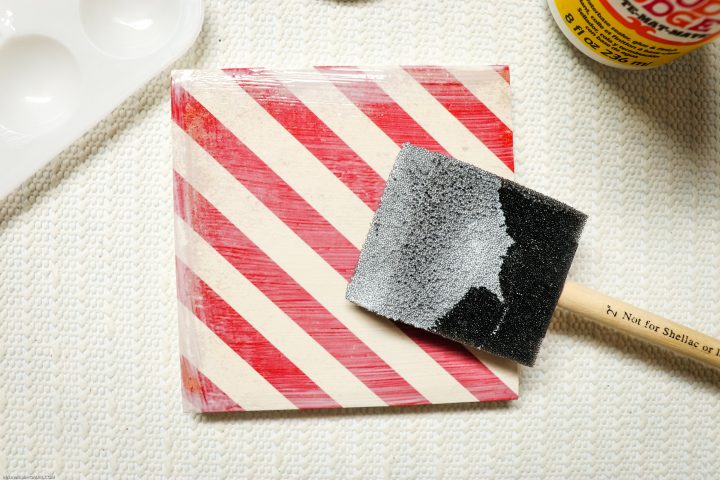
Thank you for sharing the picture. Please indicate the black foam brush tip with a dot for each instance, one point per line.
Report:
(466, 254)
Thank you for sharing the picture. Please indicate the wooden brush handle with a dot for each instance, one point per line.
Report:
(639, 323)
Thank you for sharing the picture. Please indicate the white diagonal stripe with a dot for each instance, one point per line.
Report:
(284, 154)
(489, 87)
(209, 354)
(272, 323)
(346, 120)
(447, 130)
(320, 280)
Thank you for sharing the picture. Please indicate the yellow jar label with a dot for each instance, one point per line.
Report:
(641, 33)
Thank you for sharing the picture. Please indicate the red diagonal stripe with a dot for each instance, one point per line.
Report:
(292, 299)
(312, 132)
(202, 393)
(216, 139)
(261, 181)
(248, 343)
(503, 71)
(462, 365)
(468, 109)
(379, 107)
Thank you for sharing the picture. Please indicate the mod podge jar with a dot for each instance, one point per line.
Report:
(637, 34)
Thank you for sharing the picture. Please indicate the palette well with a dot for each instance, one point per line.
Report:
(67, 63)
(277, 177)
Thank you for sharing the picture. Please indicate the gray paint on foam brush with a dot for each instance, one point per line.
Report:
(465, 254)
(439, 231)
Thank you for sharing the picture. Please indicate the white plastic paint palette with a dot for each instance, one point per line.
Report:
(65, 64)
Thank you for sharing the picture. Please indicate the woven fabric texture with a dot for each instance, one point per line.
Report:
(89, 371)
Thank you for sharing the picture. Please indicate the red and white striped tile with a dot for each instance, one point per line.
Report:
(277, 176)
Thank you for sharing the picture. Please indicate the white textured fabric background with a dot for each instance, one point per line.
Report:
(89, 374)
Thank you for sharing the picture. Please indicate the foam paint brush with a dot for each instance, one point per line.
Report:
(474, 257)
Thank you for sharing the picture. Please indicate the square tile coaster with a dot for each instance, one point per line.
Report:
(277, 175)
